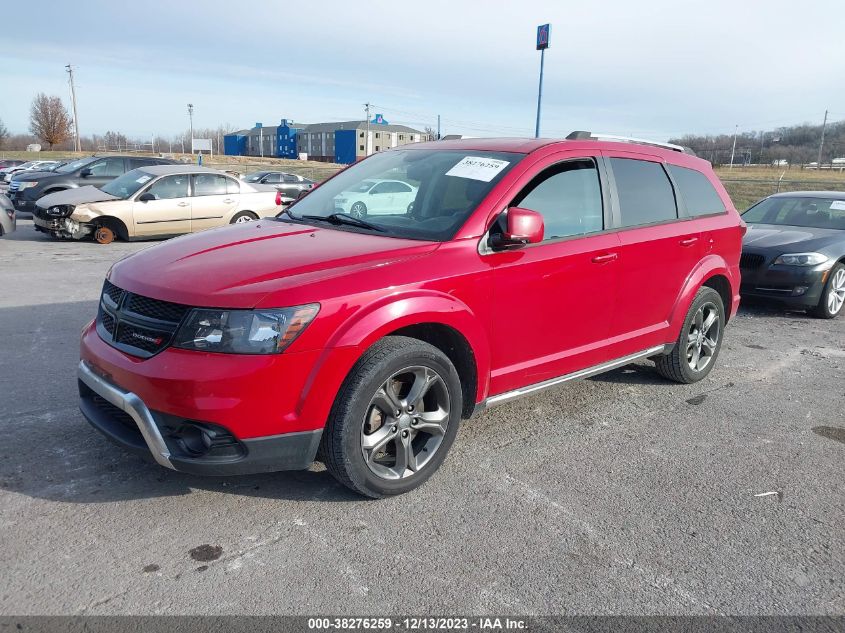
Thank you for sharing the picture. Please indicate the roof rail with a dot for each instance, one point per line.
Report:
(580, 135)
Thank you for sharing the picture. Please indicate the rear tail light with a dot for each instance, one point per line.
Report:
(278, 198)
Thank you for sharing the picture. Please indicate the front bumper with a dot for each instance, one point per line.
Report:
(21, 202)
(125, 419)
(791, 285)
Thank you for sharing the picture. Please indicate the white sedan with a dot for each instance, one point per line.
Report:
(377, 197)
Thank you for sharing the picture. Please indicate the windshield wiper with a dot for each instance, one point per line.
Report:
(342, 218)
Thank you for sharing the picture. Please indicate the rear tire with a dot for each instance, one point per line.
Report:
(699, 342)
(833, 297)
(394, 419)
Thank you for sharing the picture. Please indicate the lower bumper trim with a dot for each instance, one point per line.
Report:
(131, 404)
(287, 451)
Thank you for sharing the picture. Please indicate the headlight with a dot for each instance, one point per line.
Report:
(244, 331)
(26, 185)
(801, 259)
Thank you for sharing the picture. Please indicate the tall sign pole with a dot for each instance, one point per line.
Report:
(542, 44)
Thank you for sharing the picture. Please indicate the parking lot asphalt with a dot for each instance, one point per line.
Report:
(621, 494)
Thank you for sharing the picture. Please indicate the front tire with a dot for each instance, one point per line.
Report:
(243, 216)
(358, 210)
(833, 297)
(104, 235)
(394, 419)
(699, 342)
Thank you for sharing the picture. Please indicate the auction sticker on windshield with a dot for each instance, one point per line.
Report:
(478, 168)
(143, 179)
(837, 205)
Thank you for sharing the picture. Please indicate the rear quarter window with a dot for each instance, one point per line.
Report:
(698, 193)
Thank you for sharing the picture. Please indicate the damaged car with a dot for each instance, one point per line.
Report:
(154, 202)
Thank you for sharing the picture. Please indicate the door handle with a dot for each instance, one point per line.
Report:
(603, 259)
(228, 201)
(689, 241)
(183, 204)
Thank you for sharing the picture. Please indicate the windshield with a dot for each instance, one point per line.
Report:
(74, 165)
(26, 165)
(821, 213)
(254, 177)
(127, 184)
(418, 194)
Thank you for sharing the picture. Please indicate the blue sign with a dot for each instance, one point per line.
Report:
(543, 36)
(379, 119)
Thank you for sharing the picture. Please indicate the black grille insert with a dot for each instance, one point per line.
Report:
(135, 324)
(751, 260)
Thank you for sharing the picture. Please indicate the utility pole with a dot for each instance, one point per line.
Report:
(191, 117)
(367, 138)
(438, 127)
(77, 144)
(821, 144)
(762, 138)
(543, 32)
(733, 149)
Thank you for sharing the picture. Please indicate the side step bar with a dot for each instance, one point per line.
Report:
(577, 375)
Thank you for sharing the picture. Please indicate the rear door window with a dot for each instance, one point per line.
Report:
(209, 185)
(108, 167)
(568, 196)
(645, 192)
(698, 193)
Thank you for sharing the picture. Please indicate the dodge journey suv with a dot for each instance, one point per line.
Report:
(363, 340)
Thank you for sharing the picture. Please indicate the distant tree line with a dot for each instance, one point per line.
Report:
(796, 144)
(52, 127)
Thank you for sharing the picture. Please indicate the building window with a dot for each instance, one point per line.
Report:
(401, 137)
(361, 135)
(361, 148)
(378, 134)
(377, 148)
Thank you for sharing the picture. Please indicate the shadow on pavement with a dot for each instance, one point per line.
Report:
(49, 450)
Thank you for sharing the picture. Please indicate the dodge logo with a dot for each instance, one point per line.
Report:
(155, 340)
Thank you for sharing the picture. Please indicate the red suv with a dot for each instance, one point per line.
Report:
(361, 338)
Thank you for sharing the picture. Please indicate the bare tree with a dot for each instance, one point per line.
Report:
(4, 133)
(49, 120)
(430, 133)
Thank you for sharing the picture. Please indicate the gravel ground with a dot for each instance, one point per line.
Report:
(622, 494)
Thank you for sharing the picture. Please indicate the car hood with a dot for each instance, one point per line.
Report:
(239, 265)
(81, 195)
(798, 238)
(28, 175)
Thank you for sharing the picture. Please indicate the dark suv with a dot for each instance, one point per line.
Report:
(28, 187)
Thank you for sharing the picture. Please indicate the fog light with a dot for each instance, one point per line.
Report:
(797, 291)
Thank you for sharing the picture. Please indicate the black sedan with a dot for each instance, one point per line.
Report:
(794, 251)
(291, 185)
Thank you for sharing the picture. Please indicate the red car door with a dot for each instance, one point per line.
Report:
(554, 301)
(659, 249)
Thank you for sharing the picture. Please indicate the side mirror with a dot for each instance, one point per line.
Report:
(524, 226)
(146, 197)
(85, 173)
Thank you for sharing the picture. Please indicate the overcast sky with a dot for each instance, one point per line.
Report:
(649, 68)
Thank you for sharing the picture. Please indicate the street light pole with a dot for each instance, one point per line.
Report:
(367, 138)
(191, 117)
(77, 144)
(733, 149)
(821, 144)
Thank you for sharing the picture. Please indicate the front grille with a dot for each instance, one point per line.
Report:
(751, 260)
(135, 324)
(108, 322)
(113, 292)
(162, 310)
(150, 341)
